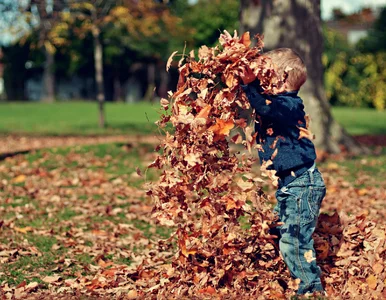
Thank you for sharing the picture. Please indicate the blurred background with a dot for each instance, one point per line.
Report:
(87, 53)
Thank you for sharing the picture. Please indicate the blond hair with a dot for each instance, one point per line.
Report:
(287, 60)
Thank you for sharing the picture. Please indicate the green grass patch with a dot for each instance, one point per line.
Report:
(29, 268)
(66, 214)
(85, 259)
(363, 170)
(77, 118)
(43, 243)
(81, 118)
(360, 121)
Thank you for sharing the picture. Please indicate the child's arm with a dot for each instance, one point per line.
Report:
(272, 106)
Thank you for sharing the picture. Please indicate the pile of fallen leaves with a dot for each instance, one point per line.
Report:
(204, 189)
(208, 193)
(352, 254)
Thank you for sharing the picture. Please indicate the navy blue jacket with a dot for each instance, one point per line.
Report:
(278, 118)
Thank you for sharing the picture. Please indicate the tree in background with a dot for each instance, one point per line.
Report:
(297, 24)
(42, 15)
(356, 75)
(152, 30)
(89, 17)
(209, 18)
(375, 40)
(31, 22)
(143, 27)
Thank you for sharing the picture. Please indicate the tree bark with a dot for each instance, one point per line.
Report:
(297, 24)
(164, 81)
(48, 77)
(117, 88)
(98, 63)
(2, 91)
(149, 95)
(46, 20)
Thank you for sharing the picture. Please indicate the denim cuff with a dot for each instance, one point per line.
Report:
(310, 288)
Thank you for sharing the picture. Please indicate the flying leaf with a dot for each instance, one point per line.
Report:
(222, 128)
(138, 170)
(204, 113)
(170, 60)
(246, 39)
(305, 133)
(164, 103)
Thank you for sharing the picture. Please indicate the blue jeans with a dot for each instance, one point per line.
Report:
(298, 206)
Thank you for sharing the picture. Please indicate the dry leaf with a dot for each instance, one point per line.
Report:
(19, 179)
(24, 229)
(51, 279)
(372, 282)
(309, 256)
(170, 60)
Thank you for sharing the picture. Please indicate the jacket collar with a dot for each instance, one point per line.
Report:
(287, 94)
(290, 93)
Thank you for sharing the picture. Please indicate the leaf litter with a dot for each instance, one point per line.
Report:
(200, 194)
(208, 194)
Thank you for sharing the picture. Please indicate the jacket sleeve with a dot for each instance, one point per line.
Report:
(254, 91)
(256, 99)
(275, 106)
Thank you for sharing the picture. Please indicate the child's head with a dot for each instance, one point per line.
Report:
(287, 60)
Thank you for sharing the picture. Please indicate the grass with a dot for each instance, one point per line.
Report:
(358, 121)
(81, 118)
(77, 118)
(67, 217)
(363, 171)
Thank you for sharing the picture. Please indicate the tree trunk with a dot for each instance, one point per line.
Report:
(297, 24)
(163, 86)
(98, 62)
(49, 77)
(149, 95)
(2, 91)
(117, 88)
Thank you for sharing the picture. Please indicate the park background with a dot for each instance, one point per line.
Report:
(80, 85)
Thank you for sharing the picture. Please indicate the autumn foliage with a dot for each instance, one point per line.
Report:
(209, 194)
(204, 188)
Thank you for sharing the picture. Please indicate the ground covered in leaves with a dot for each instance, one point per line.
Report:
(75, 223)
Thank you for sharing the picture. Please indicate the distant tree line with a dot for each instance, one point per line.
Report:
(110, 41)
(114, 41)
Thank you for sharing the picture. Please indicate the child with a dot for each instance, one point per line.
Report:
(280, 118)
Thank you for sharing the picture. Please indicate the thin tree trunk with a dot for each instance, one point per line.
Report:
(117, 88)
(163, 87)
(149, 95)
(2, 88)
(297, 24)
(49, 77)
(98, 61)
